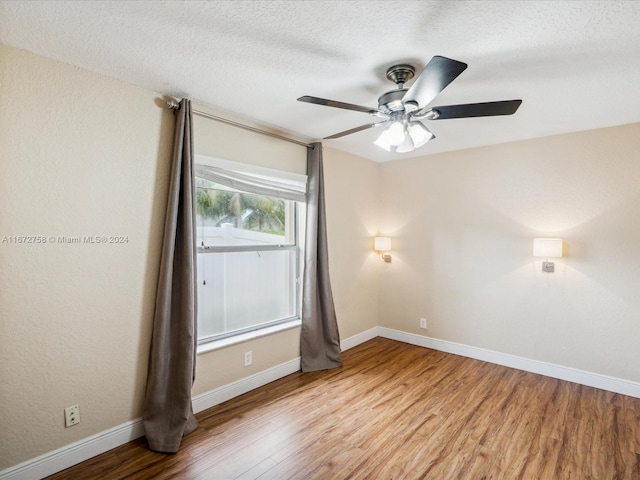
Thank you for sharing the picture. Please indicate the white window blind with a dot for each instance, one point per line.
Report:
(254, 183)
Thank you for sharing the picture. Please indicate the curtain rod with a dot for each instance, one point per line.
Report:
(173, 105)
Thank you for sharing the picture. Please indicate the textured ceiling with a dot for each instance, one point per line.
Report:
(575, 64)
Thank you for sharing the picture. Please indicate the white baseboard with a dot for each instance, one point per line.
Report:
(358, 338)
(227, 392)
(596, 380)
(89, 447)
(74, 453)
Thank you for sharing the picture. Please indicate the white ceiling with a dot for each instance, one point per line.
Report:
(575, 64)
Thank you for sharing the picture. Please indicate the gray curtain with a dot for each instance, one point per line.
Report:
(319, 338)
(168, 413)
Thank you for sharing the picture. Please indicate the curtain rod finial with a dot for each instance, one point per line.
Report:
(173, 105)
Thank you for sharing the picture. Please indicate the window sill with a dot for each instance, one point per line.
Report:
(244, 337)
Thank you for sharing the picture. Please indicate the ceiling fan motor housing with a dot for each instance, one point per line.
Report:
(391, 102)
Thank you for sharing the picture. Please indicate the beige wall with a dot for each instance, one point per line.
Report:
(83, 154)
(220, 140)
(351, 185)
(463, 223)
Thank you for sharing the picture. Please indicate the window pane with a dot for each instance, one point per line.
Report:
(228, 217)
(237, 290)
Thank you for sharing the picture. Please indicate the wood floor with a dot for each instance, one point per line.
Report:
(397, 411)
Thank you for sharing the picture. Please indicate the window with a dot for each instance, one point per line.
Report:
(248, 247)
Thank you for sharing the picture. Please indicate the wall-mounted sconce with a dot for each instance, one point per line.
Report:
(383, 245)
(547, 248)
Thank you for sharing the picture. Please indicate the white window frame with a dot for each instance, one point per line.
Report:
(254, 179)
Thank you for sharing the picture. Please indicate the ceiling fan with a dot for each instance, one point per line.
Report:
(403, 109)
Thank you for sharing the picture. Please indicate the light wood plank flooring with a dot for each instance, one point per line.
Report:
(397, 411)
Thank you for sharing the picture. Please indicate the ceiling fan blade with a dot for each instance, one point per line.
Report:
(355, 130)
(439, 72)
(333, 103)
(486, 109)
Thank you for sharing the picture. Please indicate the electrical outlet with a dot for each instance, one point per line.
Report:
(423, 323)
(248, 358)
(72, 415)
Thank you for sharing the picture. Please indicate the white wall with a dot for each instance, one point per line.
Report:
(462, 225)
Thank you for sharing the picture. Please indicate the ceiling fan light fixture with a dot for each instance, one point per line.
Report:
(396, 134)
(404, 136)
(406, 146)
(383, 140)
(419, 134)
